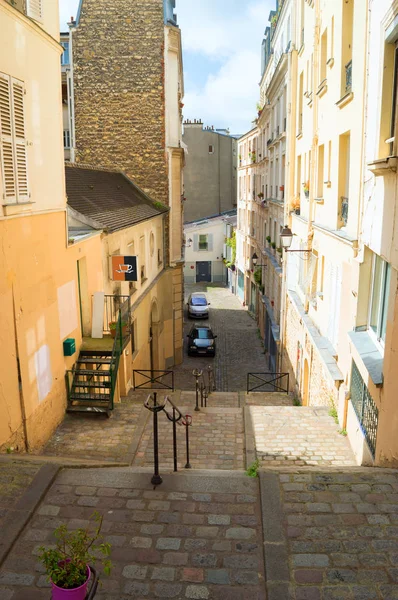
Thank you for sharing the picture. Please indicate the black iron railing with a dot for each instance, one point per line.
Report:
(344, 210)
(153, 379)
(268, 382)
(365, 408)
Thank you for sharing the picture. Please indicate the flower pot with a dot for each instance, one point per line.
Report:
(78, 593)
(297, 211)
(307, 194)
(124, 331)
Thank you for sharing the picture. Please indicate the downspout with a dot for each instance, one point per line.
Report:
(21, 398)
(219, 175)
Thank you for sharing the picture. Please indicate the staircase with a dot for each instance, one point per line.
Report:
(91, 382)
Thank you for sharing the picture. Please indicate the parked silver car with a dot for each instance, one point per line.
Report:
(198, 306)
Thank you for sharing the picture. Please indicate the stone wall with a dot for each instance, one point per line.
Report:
(118, 57)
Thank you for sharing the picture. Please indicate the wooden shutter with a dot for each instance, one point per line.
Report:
(34, 9)
(20, 141)
(6, 142)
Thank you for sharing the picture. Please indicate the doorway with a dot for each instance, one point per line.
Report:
(84, 298)
(203, 271)
(306, 383)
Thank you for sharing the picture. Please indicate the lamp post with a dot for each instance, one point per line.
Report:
(254, 261)
(286, 240)
(197, 373)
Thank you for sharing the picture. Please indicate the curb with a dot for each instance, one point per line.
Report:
(250, 445)
(16, 519)
(137, 435)
(276, 564)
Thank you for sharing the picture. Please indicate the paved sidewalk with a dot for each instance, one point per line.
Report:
(299, 436)
(193, 537)
(333, 535)
(15, 477)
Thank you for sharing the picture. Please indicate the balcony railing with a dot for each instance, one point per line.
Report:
(348, 77)
(112, 306)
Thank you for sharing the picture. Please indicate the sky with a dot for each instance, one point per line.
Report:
(221, 53)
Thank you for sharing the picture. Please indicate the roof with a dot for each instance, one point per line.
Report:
(228, 216)
(108, 197)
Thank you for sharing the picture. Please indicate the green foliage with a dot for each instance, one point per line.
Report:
(258, 276)
(333, 413)
(268, 238)
(279, 250)
(231, 243)
(296, 401)
(159, 205)
(66, 564)
(113, 324)
(343, 432)
(252, 471)
(273, 245)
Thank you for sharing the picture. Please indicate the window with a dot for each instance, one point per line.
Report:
(13, 141)
(66, 138)
(378, 306)
(300, 112)
(142, 259)
(203, 244)
(324, 49)
(211, 149)
(321, 159)
(65, 54)
(34, 9)
(346, 49)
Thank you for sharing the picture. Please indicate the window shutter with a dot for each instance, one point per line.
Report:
(196, 242)
(6, 143)
(34, 9)
(209, 242)
(20, 141)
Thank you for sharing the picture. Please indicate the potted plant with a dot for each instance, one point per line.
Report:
(253, 157)
(113, 327)
(279, 250)
(282, 188)
(268, 238)
(67, 565)
(296, 206)
(260, 195)
(306, 188)
(273, 245)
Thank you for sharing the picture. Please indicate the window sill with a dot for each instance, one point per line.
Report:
(383, 166)
(319, 200)
(368, 356)
(16, 207)
(299, 135)
(300, 52)
(330, 63)
(346, 99)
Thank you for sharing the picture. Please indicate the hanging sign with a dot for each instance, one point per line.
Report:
(124, 268)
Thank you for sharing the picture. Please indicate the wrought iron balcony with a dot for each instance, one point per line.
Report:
(344, 210)
(348, 77)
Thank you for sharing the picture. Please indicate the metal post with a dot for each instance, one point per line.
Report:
(175, 439)
(205, 395)
(156, 479)
(187, 422)
(201, 395)
(196, 373)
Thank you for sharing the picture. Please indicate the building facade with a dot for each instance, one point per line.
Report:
(38, 269)
(130, 119)
(210, 173)
(207, 255)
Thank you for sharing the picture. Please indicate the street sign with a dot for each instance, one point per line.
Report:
(124, 268)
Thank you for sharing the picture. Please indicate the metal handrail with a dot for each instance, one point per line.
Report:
(152, 380)
(272, 379)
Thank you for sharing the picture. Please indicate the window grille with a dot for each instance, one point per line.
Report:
(365, 408)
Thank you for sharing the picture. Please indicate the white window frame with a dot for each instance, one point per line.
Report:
(66, 139)
(383, 305)
(207, 242)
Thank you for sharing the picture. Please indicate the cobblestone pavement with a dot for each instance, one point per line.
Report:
(340, 534)
(193, 537)
(298, 435)
(216, 440)
(15, 477)
(94, 437)
(239, 350)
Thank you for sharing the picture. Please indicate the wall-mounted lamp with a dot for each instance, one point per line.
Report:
(254, 261)
(189, 243)
(287, 238)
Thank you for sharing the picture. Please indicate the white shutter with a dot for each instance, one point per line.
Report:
(6, 142)
(20, 140)
(34, 9)
(195, 242)
(210, 242)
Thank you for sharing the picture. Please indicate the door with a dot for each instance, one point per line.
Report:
(203, 271)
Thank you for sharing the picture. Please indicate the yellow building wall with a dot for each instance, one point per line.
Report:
(39, 291)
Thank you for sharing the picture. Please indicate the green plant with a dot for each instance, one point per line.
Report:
(258, 276)
(260, 195)
(159, 205)
(296, 401)
(268, 238)
(333, 413)
(279, 250)
(252, 471)
(113, 324)
(343, 432)
(231, 243)
(66, 564)
(273, 245)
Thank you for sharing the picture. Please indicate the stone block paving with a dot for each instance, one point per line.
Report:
(216, 440)
(15, 477)
(239, 349)
(192, 537)
(298, 436)
(341, 532)
(268, 399)
(95, 437)
(215, 399)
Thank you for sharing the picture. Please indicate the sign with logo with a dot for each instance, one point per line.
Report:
(124, 268)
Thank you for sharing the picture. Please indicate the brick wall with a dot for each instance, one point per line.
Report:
(118, 54)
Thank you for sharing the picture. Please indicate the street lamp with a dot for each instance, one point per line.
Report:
(287, 238)
(254, 261)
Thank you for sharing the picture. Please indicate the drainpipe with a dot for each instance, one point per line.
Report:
(21, 398)
(219, 175)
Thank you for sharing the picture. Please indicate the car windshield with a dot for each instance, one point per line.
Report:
(202, 334)
(198, 301)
